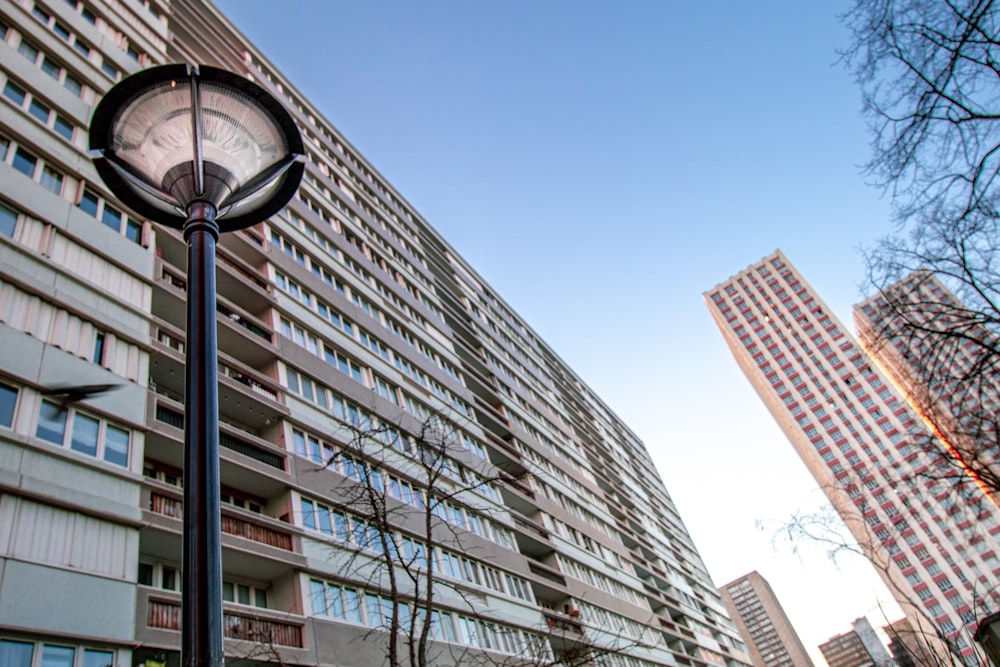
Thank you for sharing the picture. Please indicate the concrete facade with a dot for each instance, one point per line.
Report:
(762, 621)
(358, 352)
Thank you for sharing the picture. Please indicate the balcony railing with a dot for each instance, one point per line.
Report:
(231, 525)
(248, 381)
(167, 616)
(226, 440)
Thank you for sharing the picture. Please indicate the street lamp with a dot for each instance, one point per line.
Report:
(202, 150)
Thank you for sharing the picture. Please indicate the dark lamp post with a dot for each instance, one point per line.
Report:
(202, 150)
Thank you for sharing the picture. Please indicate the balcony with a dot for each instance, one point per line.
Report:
(254, 545)
(246, 396)
(261, 626)
(231, 525)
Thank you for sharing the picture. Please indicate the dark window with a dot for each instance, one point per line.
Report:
(8, 399)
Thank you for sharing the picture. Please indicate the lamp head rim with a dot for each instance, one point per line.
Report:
(106, 111)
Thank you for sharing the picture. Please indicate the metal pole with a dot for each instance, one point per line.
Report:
(201, 600)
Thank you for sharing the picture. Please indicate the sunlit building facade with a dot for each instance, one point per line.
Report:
(942, 357)
(937, 553)
(359, 355)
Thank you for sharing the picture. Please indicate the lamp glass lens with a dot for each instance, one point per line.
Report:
(153, 134)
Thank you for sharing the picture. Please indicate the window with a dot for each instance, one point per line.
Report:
(23, 654)
(95, 206)
(25, 162)
(14, 93)
(8, 401)
(8, 219)
(66, 427)
(244, 594)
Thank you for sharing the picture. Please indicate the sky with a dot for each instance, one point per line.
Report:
(602, 164)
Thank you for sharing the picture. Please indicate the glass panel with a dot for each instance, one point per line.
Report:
(112, 218)
(39, 111)
(8, 398)
(8, 220)
(133, 231)
(63, 128)
(169, 579)
(15, 654)
(88, 203)
(92, 658)
(227, 592)
(51, 423)
(28, 51)
(85, 435)
(25, 162)
(57, 656)
(116, 446)
(145, 574)
(52, 180)
(352, 608)
(73, 85)
(50, 68)
(243, 594)
(14, 93)
(260, 598)
(318, 591)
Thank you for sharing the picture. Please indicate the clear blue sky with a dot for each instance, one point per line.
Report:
(601, 164)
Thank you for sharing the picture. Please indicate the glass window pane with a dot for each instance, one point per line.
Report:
(51, 423)
(352, 609)
(8, 398)
(116, 446)
(85, 435)
(243, 594)
(14, 93)
(73, 85)
(25, 162)
(112, 218)
(133, 231)
(145, 574)
(16, 654)
(52, 180)
(318, 591)
(39, 111)
(8, 220)
(227, 591)
(88, 203)
(92, 658)
(260, 598)
(57, 656)
(63, 128)
(28, 51)
(50, 67)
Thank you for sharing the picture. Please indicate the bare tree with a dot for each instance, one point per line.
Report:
(929, 71)
(852, 530)
(946, 359)
(412, 510)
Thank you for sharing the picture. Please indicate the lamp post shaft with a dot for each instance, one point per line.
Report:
(201, 601)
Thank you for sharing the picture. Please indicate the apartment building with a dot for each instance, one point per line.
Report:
(937, 553)
(861, 647)
(760, 618)
(361, 361)
(940, 354)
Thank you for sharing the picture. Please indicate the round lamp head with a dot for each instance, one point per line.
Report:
(174, 135)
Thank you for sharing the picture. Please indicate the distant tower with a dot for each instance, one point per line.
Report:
(860, 647)
(760, 618)
(937, 555)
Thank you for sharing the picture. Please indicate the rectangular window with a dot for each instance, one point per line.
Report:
(25, 162)
(88, 435)
(8, 220)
